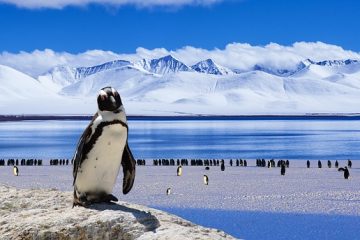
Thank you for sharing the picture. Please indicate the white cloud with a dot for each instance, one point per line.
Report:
(59, 4)
(235, 55)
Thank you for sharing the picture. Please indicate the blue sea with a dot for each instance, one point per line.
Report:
(195, 138)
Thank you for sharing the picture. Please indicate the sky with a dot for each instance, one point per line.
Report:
(122, 26)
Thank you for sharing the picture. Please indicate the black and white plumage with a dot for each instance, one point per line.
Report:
(168, 191)
(102, 148)
(283, 169)
(206, 180)
(16, 171)
(179, 171)
(346, 172)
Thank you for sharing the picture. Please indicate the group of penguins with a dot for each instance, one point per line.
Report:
(23, 162)
(205, 177)
(259, 163)
(344, 169)
(271, 163)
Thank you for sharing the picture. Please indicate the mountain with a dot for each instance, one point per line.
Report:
(165, 65)
(166, 86)
(63, 76)
(17, 85)
(210, 67)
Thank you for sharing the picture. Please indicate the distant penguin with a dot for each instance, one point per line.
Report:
(283, 169)
(168, 191)
(308, 164)
(329, 164)
(245, 163)
(336, 164)
(179, 171)
(206, 180)
(207, 168)
(16, 171)
(102, 149)
(222, 166)
(346, 172)
(349, 163)
(319, 164)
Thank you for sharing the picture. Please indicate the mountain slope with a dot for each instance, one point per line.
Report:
(166, 86)
(165, 65)
(210, 67)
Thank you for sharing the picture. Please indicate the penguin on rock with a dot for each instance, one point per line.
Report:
(102, 149)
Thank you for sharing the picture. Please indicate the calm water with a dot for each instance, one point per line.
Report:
(291, 139)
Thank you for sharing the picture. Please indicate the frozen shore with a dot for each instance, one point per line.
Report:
(246, 202)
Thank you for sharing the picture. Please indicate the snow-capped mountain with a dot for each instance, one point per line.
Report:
(165, 65)
(166, 86)
(210, 67)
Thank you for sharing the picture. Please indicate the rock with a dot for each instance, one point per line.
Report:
(48, 214)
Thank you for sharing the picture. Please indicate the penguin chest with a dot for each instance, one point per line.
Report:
(99, 170)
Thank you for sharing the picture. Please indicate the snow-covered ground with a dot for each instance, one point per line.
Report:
(250, 203)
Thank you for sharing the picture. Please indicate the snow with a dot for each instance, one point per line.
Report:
(247, 202)
(210, 67)
(166, 86)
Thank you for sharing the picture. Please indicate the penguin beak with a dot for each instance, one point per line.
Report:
(112, 100)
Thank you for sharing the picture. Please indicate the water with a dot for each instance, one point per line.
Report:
(245, 138)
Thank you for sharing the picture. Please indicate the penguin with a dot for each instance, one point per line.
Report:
(283, 169)
(222, 166)
(308, 164)
(179, 171)
(319, 164)
(16, 171)
(336, 164)
(346, 172)
(168, 191)
(206, 180)
(349, 163)
(102, 148)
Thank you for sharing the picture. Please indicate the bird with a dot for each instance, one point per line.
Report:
(179, 171)
(168, 191)
(283, 169)
(308, 164)
(346, 172)
(102, 148)
(206, 180)
(16, 171)
(222, 166)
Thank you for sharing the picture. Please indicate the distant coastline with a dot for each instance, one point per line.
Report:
(313, 116)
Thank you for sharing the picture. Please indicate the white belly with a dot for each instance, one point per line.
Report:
(99, 171)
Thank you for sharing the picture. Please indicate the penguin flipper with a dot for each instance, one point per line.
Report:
(78, 157)
(128, 163)
(341, 169)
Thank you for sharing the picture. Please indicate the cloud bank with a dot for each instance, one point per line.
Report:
(240, 56)
(59, 4)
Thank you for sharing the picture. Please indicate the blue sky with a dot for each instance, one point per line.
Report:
(127, 27)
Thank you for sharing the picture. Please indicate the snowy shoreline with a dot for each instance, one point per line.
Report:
(246, 202)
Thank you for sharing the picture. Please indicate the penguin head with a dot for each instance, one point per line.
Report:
(108, 99)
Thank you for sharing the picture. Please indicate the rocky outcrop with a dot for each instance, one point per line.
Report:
(48, 214)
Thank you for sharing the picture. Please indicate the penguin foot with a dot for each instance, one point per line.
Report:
(107, 198)
(81, 201)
